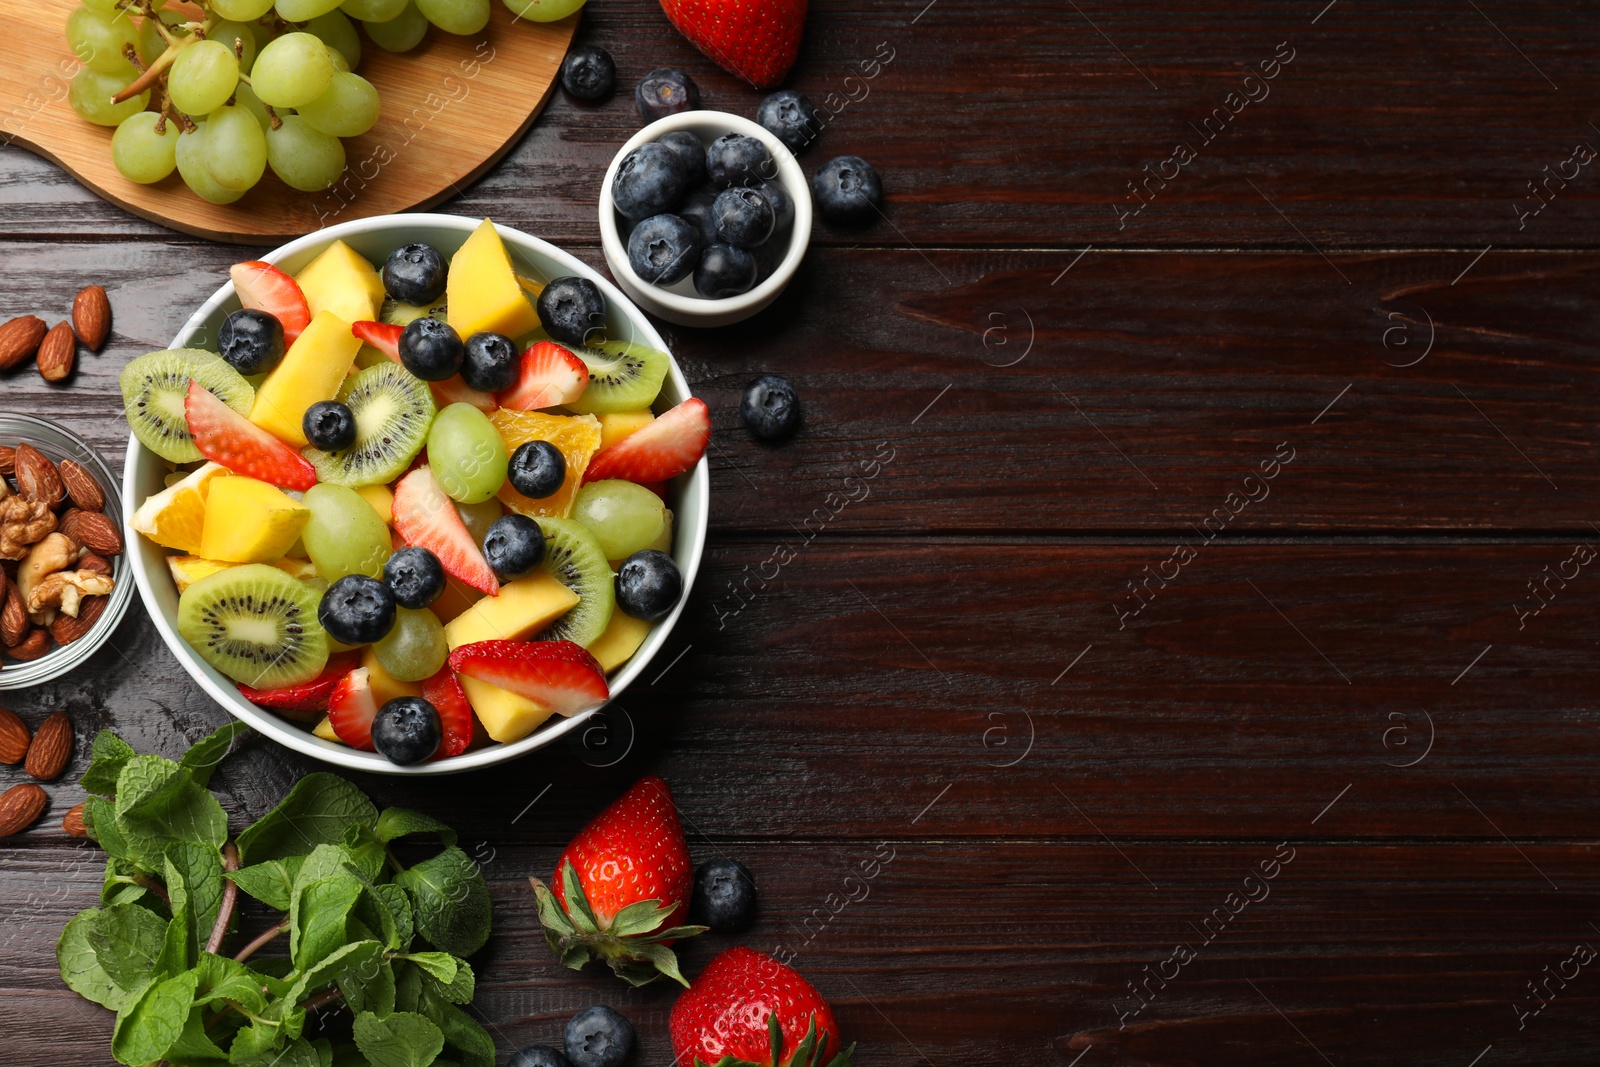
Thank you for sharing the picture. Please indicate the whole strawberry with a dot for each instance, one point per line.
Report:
(749, 1010)
(620, 887)
(755, 39)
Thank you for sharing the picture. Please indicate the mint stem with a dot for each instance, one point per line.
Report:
(154, 886)
(250, 949)
(230, 895)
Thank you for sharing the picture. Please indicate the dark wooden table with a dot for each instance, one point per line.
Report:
(1158, 565)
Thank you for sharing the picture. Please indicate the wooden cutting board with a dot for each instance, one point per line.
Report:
(451, 107)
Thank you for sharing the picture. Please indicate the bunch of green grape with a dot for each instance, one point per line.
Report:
(248, 84)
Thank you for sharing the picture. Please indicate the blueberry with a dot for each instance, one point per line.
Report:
(782, 205)
(414, 274)
(847, 191)
(768, 257)
(329, 425)
(406, 730)
(664, 92)
(490, 362)
(690, 152)
(513, 546)
(599, 1037)
(431, 349)
(743, 217)
(649, 181)
(663, 249)
(588, 73)
(724, 270)
(357, 610)
(539, 1056)
(696, 211)
(648, 584)
(415, 576)
(724, 895)
(537, 469)
(791, 117)
(735, 159)
(770, 408)
(251, 341)
(571, 310)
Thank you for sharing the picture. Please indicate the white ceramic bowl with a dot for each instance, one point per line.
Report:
(375, 238)
(680, 303)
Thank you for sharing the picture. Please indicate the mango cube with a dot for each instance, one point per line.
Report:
(622, 638)
(381, 499)
(313, 369)
(506, 716)
(340, 280)
(523, 608)
(249, 521)
(385, 686)
(482, 290)
(618, 425)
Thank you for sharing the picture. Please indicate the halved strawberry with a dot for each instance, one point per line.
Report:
(308, 699)
(549, 376)
(424, 516)
(351, 708)
(558, 674)
(444, 692)
(224, 436)
(385, 337)
(263, 287)
(668, 446)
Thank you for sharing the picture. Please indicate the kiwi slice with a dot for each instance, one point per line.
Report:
(396, 313)
(574, 558)
(153, 388)
(393, 410)
(623, 376)
(255, 624)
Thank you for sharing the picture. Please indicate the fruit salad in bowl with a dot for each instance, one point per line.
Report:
(414, 494)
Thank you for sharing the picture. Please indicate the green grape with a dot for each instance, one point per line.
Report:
(192, 168)
(292, 70)
(105, 7)
(90, 96)
(401, 33)
(246, 98)
(240, 10)
(340, 63)
(479, 517)
(467, 454)
(202, 77)
(337, 31)
(543, 10)
(140, 153)
(304, 10)
(235, 150)
(151, 43)
(228, 33)
(347, 109)
(98, 37)
(344, 535)
(624, 517)
(305, 158)
(415, 649)
(459, 17)
(373, 10)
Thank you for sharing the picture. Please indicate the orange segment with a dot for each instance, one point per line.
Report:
(175, 517)
(577, 437)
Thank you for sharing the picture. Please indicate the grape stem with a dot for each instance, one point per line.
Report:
(149, 75)
(272, 117)
(133, 57)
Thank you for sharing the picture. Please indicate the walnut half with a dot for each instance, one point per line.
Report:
(23, 523)
(66, 590)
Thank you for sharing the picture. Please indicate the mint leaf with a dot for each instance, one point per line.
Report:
(201, 868)
(357, 956)
(219, 979)
(158, 803)
(318, 810)
(450, 901)
(204, 755)
(80, 967)
(458, 990)
(385, 910)
(126, 940)
(194, 1046)
(440, 965)
(460, 1029)
(317, 917)
(119, 886)
(100, 820)
(367, 987)
(270, 882)
(107, 755)
(257, 1045)
(151, 1025)
(398, 822)
(403, 1039)
(178, 950)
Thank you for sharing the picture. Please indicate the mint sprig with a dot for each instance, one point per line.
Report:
(364, 934)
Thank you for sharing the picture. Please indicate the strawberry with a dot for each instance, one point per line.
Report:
(351, 708)
(424, 516)
(754, 39)
(558, 674)
(263, 287)
(444, 692)
(224, 436)
(748, 1010)
(385, 337)
(668, 446)
(309, 696)
(620, 886)
(549, 376)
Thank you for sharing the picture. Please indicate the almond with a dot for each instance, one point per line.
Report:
(67, 629)
(94, 564)
(20, 807)
(91, 316)
(58, 352)
(93, 530)
(72, 823)
(37, 477)
(13, 617)
(33, 645)
(81, 486)
(13, 737)
(19, 339)
(8, 460)
(51, 748)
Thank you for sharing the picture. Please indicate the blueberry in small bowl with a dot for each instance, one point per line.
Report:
(663, 249)
(743, 217)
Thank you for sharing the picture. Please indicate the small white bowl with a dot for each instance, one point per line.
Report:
(375, 238)
(680, 303)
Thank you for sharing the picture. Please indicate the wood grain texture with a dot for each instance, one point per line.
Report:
(424, 148)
